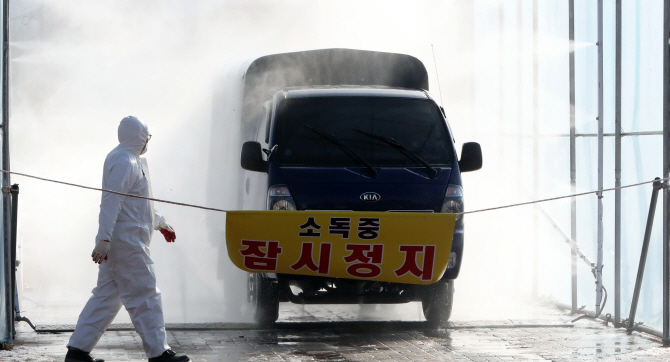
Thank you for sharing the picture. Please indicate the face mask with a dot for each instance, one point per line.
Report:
(144, 150)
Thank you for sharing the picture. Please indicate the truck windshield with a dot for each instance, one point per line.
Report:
(417, 124)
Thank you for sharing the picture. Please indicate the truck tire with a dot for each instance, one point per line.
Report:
(437, 303)
(264, 299)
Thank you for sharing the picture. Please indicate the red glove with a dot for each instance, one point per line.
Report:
(168, 232)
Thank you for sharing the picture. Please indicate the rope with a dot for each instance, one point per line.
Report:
(114, 192)
(221, 210)
(563, 197)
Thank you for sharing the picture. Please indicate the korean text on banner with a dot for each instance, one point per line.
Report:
(401, 247)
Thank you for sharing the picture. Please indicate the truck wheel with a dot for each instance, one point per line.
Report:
(437, 303)
(263, 296)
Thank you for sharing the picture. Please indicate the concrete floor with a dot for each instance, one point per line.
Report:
(367, 333)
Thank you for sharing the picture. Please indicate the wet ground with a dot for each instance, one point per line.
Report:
(367, 333)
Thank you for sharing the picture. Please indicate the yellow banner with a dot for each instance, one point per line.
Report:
(400, 247)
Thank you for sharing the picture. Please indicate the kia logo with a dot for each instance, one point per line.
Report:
(370, 196)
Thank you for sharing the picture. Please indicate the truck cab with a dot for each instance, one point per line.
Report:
(354, 147)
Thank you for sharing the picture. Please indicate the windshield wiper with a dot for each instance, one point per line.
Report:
(344, 148)
(401, 147)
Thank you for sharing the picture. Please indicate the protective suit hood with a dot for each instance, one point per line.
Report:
(133, 135)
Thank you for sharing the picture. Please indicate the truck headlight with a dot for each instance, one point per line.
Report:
(279, 198)
(453, 202)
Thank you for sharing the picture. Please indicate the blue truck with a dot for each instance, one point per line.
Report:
(349, 130)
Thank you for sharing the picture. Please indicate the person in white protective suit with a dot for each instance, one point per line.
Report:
(126, 272)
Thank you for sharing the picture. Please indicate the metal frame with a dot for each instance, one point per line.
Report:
(643, 256)
(599, 260)
(666, 173)
(618, 134)
(617, 171)
(536, 147)
(573, 161)
(8, 264)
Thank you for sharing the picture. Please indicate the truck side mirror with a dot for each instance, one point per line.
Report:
(252, 157)
(471, 157)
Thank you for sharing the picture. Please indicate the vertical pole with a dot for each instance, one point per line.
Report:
(573, 160)
(501, 62)
(520, 113)
(617, 172)
(7, 203)
(643, 257)
(536, 161)
(14, 190)
(501, 76)
(599, 262)
(519, 97)
(666, 174)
